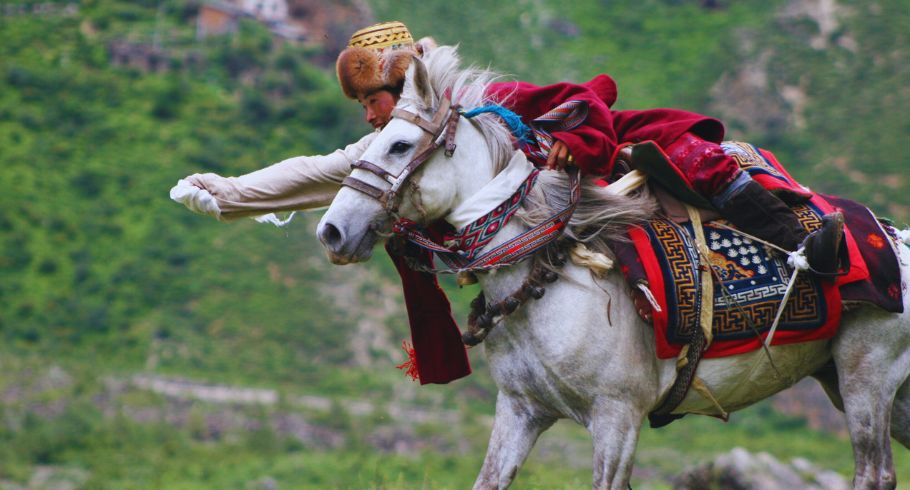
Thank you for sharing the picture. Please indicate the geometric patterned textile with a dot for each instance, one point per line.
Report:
(473, 237)
(750, 159)
(748, 277)
(763, 167)
(383, 35)
(564, 117)
(749, 284)
(512, 251)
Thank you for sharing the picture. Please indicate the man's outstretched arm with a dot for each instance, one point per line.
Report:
(299, 183)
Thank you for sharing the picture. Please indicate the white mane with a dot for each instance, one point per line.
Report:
(468, 89)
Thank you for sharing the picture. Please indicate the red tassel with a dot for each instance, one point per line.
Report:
(410, 366)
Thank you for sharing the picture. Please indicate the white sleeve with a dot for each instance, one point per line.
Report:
(299, 183)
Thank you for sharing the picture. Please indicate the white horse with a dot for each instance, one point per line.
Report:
(569, 355)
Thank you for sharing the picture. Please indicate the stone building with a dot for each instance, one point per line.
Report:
(219, 18)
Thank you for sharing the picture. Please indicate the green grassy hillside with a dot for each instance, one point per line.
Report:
(147, 347)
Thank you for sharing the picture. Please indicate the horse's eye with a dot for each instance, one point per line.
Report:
(399, 147)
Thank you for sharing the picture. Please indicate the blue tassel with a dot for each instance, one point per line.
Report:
(518, 128)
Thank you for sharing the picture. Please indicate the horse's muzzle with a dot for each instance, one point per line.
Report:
(344, 249)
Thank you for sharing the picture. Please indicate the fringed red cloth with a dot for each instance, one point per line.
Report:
(409, 366)
(439, 354)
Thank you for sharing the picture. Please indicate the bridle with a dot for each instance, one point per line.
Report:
(440, 131)
(437, 131)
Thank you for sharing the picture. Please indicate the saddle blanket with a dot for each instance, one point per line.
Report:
(749, 284)
(750, 280)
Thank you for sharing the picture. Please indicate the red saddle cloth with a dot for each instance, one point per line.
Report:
(752, 279)
(749, 284)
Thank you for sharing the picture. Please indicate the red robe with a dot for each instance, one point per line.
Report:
(593, 143)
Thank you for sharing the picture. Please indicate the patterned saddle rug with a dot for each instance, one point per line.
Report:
(750, 280)
(749, 284)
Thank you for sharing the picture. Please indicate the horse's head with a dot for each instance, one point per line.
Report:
(410, 170)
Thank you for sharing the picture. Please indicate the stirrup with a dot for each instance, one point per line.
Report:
(826, 249)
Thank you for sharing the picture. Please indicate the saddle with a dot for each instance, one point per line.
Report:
(749, 283)
(746, 281)
(749, 280)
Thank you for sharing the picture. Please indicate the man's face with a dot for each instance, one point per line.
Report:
(378, 107)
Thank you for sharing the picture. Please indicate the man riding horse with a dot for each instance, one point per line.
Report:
(372, 71)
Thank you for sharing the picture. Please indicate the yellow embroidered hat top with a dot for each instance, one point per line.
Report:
(392, 34)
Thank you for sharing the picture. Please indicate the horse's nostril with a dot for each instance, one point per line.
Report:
(330, 236)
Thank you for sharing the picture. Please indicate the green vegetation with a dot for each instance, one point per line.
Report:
(107, 284)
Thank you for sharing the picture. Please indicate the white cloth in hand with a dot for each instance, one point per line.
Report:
(273, 218)
(195, 199)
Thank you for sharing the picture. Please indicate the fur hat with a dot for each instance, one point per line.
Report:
(362, 71)
(377, 57)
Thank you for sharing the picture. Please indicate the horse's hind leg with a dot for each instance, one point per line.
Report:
(900, 415)
(614, 427)
(515, 430)
(872, 363)
(900, 411)
(827, 378)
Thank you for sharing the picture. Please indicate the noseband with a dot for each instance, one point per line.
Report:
(439, 130)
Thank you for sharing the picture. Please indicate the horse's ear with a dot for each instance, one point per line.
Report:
(419, 80)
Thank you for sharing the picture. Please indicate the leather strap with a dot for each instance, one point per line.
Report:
(368, 189)
(372, 168)
(433, 127)
(444, 121)
(691, 355)
(451, 125)
(414, 119)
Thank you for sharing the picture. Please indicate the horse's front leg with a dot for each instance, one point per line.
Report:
(614, 426)
(516, 427)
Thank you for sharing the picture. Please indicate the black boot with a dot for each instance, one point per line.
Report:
(761, 214)
(826, 249)
(758, 212)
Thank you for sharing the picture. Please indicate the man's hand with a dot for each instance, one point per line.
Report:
(559, 156)
(196, 199)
